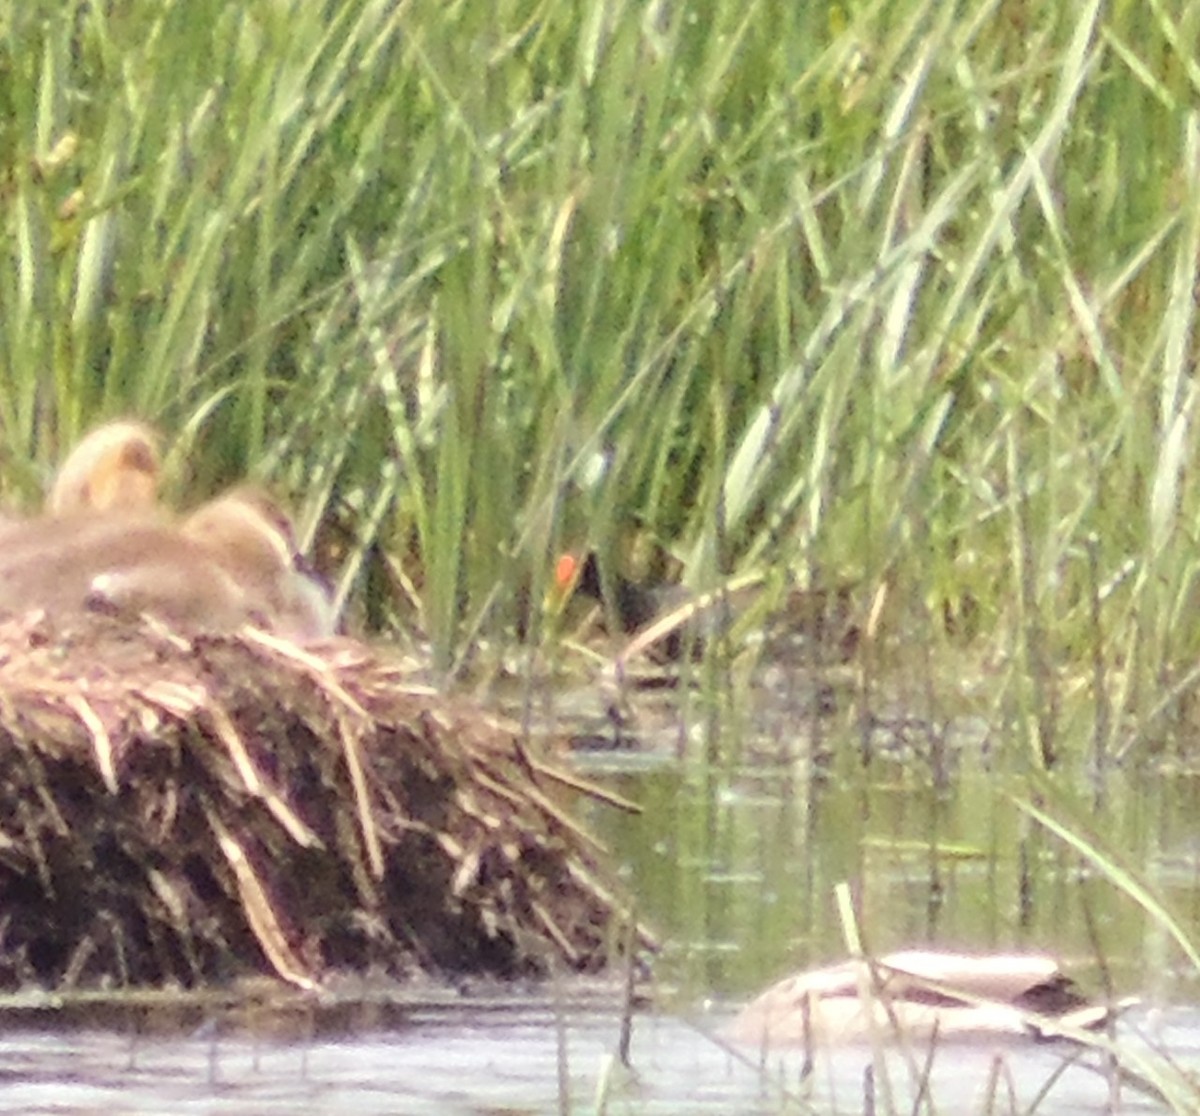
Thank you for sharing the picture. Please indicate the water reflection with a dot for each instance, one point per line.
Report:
(737, 868)
(524, 1059)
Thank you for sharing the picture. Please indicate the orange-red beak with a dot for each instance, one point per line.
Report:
(566, 575)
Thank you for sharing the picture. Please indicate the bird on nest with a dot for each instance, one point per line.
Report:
(105, 543)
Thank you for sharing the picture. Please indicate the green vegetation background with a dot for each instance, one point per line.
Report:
(895, 294)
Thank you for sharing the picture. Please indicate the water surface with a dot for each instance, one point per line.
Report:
(517, 1059)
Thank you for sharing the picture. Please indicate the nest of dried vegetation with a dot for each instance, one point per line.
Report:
(181, 810)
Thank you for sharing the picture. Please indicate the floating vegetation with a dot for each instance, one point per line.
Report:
(179, 809)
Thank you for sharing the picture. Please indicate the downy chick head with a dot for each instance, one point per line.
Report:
(251, 537)
(115, 468)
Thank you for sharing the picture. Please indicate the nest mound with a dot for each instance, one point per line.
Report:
(179, 810)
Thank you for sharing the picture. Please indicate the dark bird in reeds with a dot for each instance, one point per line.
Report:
(671, 621)
(632, 606)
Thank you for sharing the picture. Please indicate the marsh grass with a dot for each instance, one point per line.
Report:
(900, 294)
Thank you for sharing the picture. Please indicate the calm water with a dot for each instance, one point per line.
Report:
(522, 1060)
(736, 865)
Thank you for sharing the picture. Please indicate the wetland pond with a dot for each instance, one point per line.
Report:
(736, 864)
